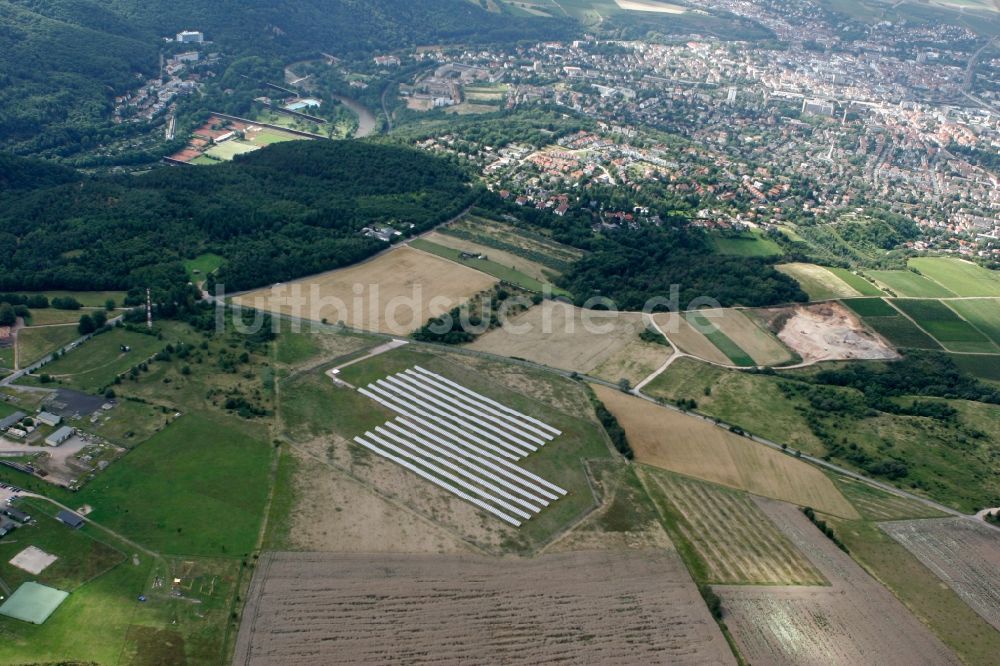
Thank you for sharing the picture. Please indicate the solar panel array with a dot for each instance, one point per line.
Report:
(463, 442)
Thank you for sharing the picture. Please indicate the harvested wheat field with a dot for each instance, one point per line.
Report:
(751, 337)
(391, 293)
(689, 445)
(603, 344)
(687, 339)
(826, 332)
(853, 621)
(963, 553)
(589, 607)
(737, 543)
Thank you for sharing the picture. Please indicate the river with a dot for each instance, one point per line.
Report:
(367, 124)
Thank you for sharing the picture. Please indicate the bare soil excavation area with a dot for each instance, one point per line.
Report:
(592, 607)
(853, 621)
(826, 332)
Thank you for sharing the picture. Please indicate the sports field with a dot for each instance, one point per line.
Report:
(391, 293)
(688, 445)
(953, 332)
(818, 281)
(910, 285)
(228, 150)
(962, 277)
(734, 540)
(606, 345)
(33, 603)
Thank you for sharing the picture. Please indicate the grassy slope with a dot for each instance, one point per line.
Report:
(962, 277)
(35, 343)
(862, 285)
(947, 327)
(906, 283)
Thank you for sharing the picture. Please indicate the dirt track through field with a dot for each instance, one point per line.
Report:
(590, 607)
(854, 621)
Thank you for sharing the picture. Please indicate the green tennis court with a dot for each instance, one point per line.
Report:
(33, 603)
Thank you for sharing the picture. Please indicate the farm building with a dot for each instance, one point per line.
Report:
(11, 420)
(48, 418)
(16, 514)
(70, 519)
(60, 436)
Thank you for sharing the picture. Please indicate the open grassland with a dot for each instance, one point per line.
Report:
(752, 338)
(984, 314)
(734, 540)
(96, 363)
(819, 282)
(492, 267)
(591, 606)
(51, 316)
(965, 554)
(89, 299)
(34, 344)
(706, 324)
(953, 332)
(910, 285)
(863, 286)
(201, 266)
(183, 623)
(196, 488)
(534, 270)
(853, 621)
(936, 604)
(396, 290)
(752, 402)
(7, 357)
(875, 504)
(687, 339)
(320, 419)
(687, 445)
(964, 278)
(560, 335)
(748, 244)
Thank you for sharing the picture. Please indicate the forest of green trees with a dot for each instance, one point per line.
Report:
(294, 209)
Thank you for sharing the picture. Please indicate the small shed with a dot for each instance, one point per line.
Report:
(70, 519)
(48, 418)
(60, 436)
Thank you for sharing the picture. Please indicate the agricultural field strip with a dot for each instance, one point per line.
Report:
(407, 441)
(744, 549)
(960, 552)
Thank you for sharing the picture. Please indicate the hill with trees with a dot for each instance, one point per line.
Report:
(290, 210)
(62, 62)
